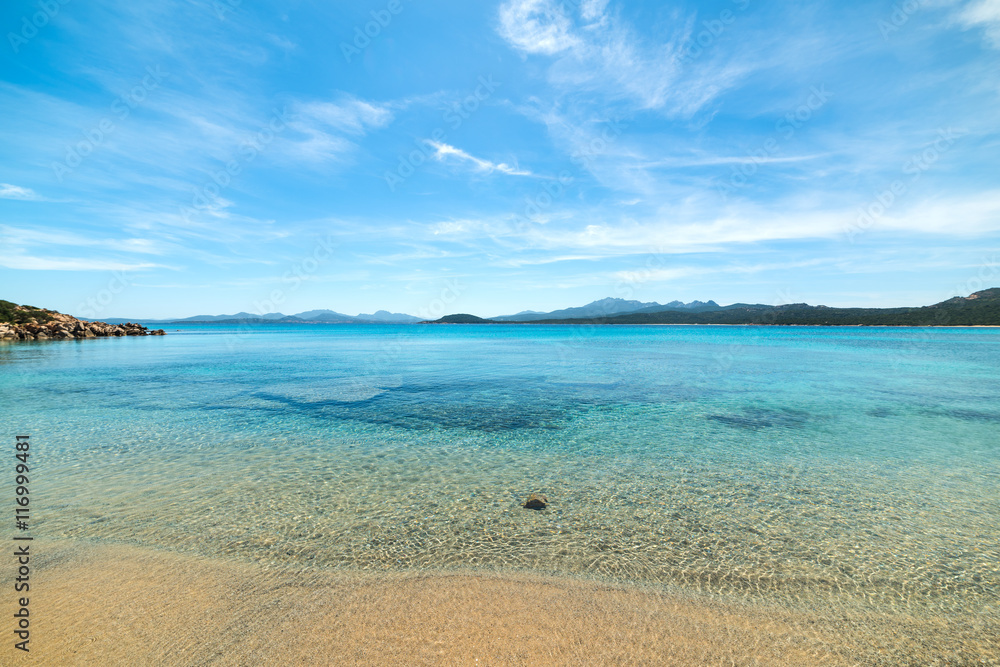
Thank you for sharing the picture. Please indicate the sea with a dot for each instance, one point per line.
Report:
(812, 467)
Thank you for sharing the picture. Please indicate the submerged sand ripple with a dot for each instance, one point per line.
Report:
(115, 605)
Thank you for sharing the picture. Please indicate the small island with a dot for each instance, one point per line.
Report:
(29, 323)
(460, 318)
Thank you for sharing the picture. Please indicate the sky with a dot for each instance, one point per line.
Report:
(169, 159)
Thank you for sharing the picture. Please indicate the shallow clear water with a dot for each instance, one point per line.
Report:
(807, 465)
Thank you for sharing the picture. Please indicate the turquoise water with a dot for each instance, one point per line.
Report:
(810, 465)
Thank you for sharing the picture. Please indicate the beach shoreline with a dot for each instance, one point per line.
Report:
(114, 604)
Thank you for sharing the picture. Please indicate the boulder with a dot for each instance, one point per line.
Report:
(65, 327)
(536, 501)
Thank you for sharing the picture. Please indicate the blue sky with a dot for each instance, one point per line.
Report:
(162, 159)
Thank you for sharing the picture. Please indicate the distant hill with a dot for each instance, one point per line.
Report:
(309, 316)
(330, 316)
(241, 317)
(606, 308)
(981, 308)
(387, 317)
(461, 318)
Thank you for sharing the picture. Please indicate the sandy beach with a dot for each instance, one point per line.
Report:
(121, 605)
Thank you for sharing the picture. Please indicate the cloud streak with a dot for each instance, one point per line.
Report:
(8, 191)
(447, 153)
(984, 14)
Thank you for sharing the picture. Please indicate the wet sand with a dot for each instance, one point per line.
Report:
(122, 605)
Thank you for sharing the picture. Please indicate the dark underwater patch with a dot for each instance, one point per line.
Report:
(968, 415)
(422, 408)
(755, 419)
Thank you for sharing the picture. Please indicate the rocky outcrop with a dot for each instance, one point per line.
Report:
(65, 327)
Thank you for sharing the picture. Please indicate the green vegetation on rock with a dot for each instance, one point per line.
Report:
(15, 314)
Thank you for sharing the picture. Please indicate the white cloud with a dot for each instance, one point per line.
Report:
(537, 26)
(984, 13)
(680, 230)
(708, 161)
(517, 262)
(660, 274)
(27, 263)
(23, 238)
(327, 126)
(593, 10)
(443, 152)
(595, 50)
(654, 275)
(282, 42)
(8, 191)
(351, 116)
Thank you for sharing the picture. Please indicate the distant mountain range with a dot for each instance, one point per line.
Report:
(310, 316)
(981, 308)
(601, 308)
(605, 308)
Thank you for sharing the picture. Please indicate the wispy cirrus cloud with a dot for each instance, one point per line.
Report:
(984, 14)
(681, 229)
(593, 49)
(349, 115)
(445, 152)
(8, 191)
(15, 237)
(538, 26)
(29, 263)
(328, 130)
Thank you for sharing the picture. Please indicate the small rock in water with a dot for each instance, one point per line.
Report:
(536, 501)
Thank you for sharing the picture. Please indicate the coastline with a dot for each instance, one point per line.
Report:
(788, 543)
(115, 604)
(58, 326)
